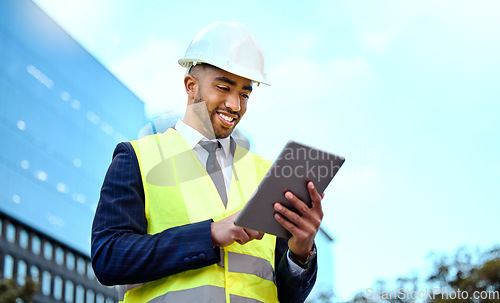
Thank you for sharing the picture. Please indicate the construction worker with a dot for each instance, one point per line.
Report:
(163, 229)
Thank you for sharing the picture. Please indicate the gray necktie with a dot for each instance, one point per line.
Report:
(214, 170)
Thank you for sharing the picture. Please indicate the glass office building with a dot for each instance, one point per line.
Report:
(62, 113)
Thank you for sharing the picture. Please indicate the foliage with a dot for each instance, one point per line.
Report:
(465, 271)
(467, 274)
(11, 292)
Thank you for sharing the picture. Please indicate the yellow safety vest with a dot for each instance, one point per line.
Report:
(179, 191)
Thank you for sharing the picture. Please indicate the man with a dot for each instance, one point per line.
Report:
(164, 230)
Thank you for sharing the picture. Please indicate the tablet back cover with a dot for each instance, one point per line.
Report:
(296, 165)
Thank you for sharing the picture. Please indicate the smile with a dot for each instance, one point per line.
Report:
(227, 120)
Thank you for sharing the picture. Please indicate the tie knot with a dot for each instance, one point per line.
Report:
(210, 146)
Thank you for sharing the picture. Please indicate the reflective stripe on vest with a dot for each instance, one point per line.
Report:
(172, 174)
(247, 264)
(207, 293)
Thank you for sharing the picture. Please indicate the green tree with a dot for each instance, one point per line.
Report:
(11, 292)
(470, 273)
(465, 271)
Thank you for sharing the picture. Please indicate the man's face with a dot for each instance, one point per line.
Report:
(225, 95)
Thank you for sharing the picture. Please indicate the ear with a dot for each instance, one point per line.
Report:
(191, 85)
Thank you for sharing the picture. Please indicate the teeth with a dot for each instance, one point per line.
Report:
(228, 119)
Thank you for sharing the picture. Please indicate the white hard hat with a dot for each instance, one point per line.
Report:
(228, 46)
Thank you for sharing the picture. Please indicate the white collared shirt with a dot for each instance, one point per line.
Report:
(223, 155)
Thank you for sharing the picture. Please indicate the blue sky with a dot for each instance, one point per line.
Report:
(407, 91)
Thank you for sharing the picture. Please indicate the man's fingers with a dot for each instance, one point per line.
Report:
(313, 193)
(297, 203)
(258, 235)
(301, 206)
(253, 234)
(286, 224)
(224, 232)
(303, 227)
(288, 214)
(241, 236)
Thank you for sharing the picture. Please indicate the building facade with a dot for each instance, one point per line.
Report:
(62, 115)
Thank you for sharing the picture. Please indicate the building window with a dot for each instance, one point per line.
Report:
(80, 266)
(23, 239)
(47, 251)
(59, 256)
(58, 283)
(35, 273)
(35, 245)
(68, 291)
(21, 273)
(90, 272)
(46, 278)
(8, 267)
(11, 233)
(80, 293)
(90, 296)
(99, 298)
(70, 261)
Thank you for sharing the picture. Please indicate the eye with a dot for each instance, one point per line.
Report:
(245, 96)
(224, 88)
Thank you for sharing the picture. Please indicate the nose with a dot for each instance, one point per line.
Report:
(233, 102)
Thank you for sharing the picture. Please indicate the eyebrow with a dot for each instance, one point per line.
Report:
(233, 83)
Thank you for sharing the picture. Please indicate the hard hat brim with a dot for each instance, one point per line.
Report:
(188, 62)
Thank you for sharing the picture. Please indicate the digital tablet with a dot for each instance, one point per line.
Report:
(296, 165)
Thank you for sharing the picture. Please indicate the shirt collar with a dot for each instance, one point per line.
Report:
(193, 137)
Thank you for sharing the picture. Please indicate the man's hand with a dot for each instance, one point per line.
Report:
(303, 227)
(225, 233)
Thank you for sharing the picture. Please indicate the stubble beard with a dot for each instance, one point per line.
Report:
(219, 131)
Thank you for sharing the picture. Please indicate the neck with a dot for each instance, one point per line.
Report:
(197, 117)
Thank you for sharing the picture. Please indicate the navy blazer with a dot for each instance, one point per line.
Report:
(123, 253)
